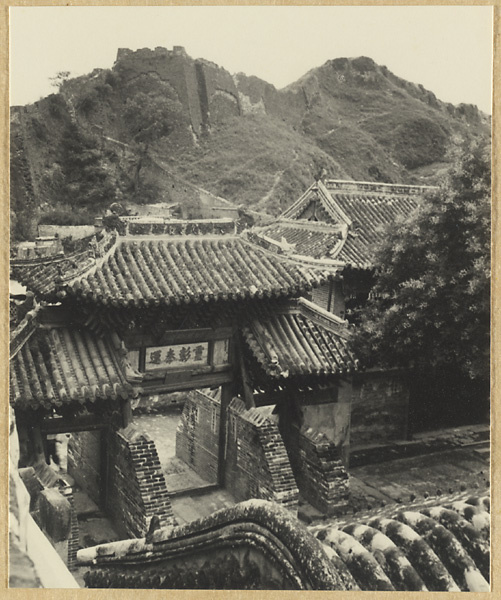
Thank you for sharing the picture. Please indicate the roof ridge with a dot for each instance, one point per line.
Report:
(169, 220)
(99, 260)
(332, 206)
(357, 186)
(310, 309)
(155, 227)
(305, 224)
(23, 330)
(300, 260)
(293, 207)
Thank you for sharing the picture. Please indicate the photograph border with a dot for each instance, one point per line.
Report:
(495, 314)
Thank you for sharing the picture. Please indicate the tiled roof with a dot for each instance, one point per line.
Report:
(431, 548)
(44, 275)
(176, 270)
(308, 238)
(371, 216)
(300, 339)
(366, 208)
(62, 365)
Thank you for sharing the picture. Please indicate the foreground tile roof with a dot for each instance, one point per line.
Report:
(158, 270)
(300, 339)
(61, 365)
(366, 209)
(440, 547)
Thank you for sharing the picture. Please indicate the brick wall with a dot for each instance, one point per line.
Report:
(222, 94)
(84, 462)
(74, 535)
(136, 484)
(197, 435)
(379, 408)
(330, 296)
(56, 516)
(331, 418)
(257, 465)
(315, 458)
(321, 295)
(322, 478)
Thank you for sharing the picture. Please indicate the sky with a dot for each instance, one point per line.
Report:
(448, 49)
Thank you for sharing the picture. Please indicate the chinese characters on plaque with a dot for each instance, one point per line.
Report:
(181, 355)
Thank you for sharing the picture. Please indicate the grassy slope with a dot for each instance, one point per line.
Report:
(245, 159)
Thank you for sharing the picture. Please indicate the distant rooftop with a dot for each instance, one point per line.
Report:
(365, 209)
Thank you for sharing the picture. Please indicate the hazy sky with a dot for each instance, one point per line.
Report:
(448, 49)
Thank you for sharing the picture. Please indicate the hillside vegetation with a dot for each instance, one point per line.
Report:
(159, 124)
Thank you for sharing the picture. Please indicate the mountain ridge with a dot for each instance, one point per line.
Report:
(236, 136)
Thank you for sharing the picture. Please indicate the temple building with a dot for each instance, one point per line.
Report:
(176, 306)
(252, 328)
(342, 221)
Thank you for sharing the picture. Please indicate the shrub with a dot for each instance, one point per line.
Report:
(110, 79)
(87, 103)
(363, 64)
(38, 129)
(56, 105)
(419, 142)
(66, 216)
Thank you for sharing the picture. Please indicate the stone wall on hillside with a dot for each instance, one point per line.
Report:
(257, 95)
(222, 94)
(174, 67)
(208, 92)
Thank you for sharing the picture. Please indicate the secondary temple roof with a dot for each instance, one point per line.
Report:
(361, 212)
(306, 238)
(146, 268)
(61, 365)
(300, 338)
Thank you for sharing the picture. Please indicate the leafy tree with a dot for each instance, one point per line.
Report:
(59, 79)
(432, 306)
(86, 182)
(150, 117)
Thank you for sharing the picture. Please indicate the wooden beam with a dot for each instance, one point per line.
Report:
(126, 413)
(246, 383)
(135, 341)
(186, 383)
(227, 393)
(73, 424)
(226, 397)
(104, 469)
(196, 335)
(324, 395)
